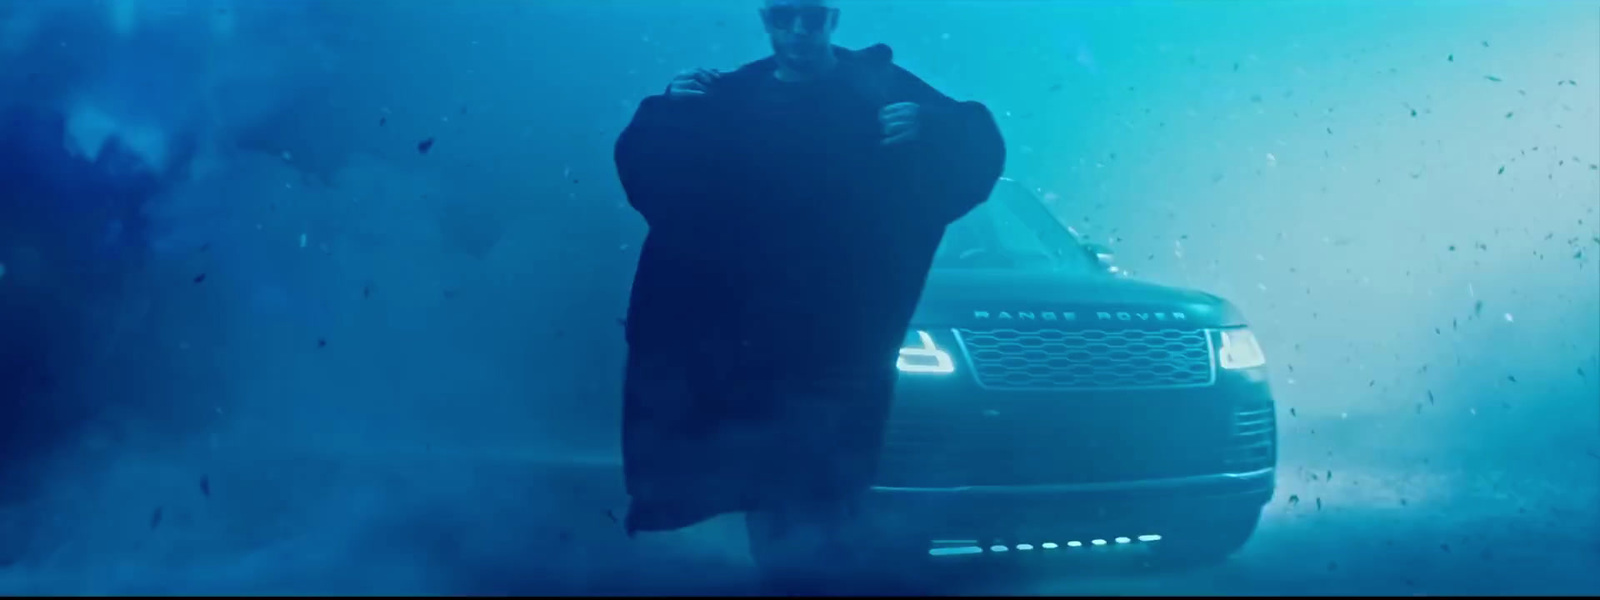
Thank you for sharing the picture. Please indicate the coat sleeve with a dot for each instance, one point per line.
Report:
(959, 157)
(660, 158)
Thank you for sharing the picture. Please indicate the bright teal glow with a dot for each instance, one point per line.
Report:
(971, 547)
(924, 356)
(955, 551)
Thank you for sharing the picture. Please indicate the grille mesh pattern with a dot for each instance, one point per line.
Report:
(1088, 358)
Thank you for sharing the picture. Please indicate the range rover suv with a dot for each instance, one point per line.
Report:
(1050, 403)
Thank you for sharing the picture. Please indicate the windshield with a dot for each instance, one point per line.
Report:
(1013, 230)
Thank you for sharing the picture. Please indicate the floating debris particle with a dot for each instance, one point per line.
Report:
(205, 486)
(1510, 319)
(1511, 378)
(1294, 499)
(424, 146)
(2, 270)
(1509, 114)
(1492, 78)
(1450, 58)
(303, 240)
(155, 518)
(383, 121)
(1502, 170)
(200, 278)
(322, 342)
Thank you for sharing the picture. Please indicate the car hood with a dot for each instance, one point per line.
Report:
(982, 297)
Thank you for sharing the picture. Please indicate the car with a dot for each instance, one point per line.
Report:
(1049, 402)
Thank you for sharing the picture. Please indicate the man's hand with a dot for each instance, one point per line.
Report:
(692, 83)
(902, 122)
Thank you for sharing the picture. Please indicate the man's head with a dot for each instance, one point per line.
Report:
(801, 32)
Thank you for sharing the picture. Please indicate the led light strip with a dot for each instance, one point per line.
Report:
(971, 546)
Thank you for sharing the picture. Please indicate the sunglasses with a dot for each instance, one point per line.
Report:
(812, 18)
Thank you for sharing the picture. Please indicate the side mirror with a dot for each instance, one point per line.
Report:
(1103, 256)
(1099, 253)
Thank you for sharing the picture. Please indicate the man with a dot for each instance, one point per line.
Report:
(794, 207)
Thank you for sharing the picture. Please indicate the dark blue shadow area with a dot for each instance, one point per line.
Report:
(72, 227)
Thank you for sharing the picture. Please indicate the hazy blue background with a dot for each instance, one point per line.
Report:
(1402, 196)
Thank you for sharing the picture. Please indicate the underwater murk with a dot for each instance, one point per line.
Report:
(304, 297)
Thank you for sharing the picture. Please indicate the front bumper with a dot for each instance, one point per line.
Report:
(962, 462)
(1067, 511)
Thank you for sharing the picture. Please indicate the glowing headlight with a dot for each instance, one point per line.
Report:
(921, 355)
(1240, 350)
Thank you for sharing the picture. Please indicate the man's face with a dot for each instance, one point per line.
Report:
(801, 30)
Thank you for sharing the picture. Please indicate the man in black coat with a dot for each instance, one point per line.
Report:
(794, 207)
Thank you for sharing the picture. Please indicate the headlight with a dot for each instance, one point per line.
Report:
(922, 355)
(1240, 350)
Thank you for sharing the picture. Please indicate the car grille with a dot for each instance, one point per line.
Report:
(1093, 439)
(1055, 359)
